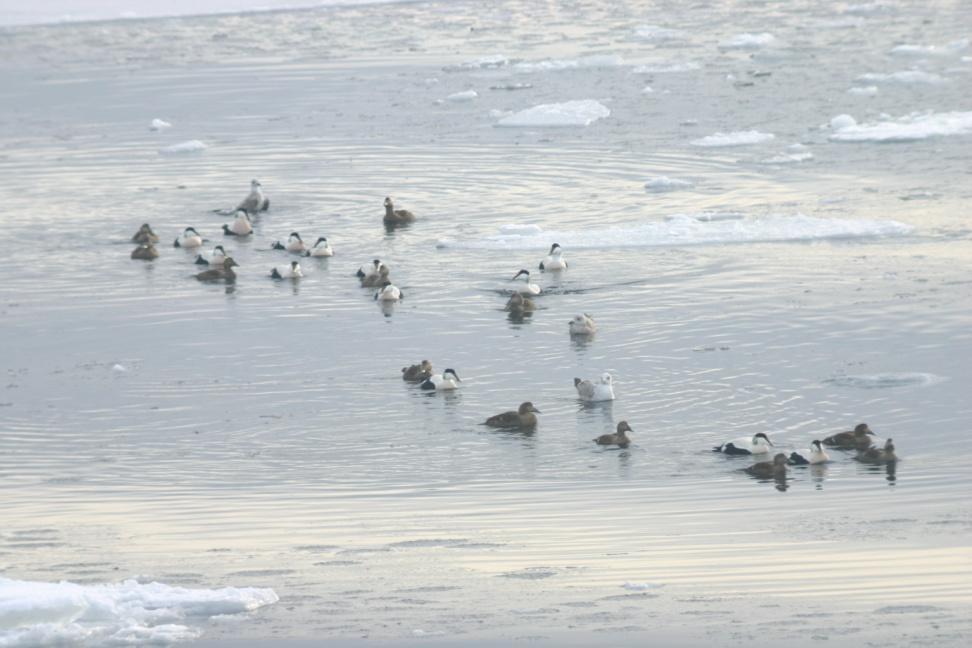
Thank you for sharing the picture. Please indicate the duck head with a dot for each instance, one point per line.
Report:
(624, 427)
(861, 429)
(523, 272)
(294, 266)
(228, 263)
(779, 460)
(527, 407)
(190, 231)
(555, 249)
(815, 446)
(607, 378)
(320, 239)
(760, 438)
(449, 372)
(294, 236)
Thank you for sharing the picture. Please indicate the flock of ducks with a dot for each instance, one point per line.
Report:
(520, 304)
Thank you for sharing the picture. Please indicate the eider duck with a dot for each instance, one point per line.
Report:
(145, 252)
(602, 390)
(531, 288)
(417, 372)
(215, 259)
(373, 280)
(858, 439)
(397, 216)
(582, 325)
(883, 455)
(321, 249)
(759, 443)
(225, 273)
(445, 381)
(815, 455)
(145, 235)
(240, 227)
(369, 269)
(291, 271)
(524, 417)
(619, 438)
(518, 305)
(255, 201)
(188, 239)
(554, 260)
(775, 469)
(295, 244)
(388, 293)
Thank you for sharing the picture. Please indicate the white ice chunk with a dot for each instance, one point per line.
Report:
(190, 146)
(569, 113)
(749, 41)
(903, 77)
(462, 97)
(910, 128)
(735, 138)
(159, 124)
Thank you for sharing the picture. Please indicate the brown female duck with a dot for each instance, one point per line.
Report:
(417, 372)
(145, 252)
(225, 273)
(775, 469)
(397, 216)
(145, 235)
(858, 439)
(524, 417)
(619, 438)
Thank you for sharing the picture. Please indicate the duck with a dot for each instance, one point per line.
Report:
(224, 273)
(445, 381)
(240, 227)
(582, 325)
(321, 249)
(291, 271)
(883, 455)
(775, 469)
(145, 252)
(216, 258)
(523, 417)
(591, 391)
(531, 288)
(858, 439)
(397, 216)
(145, 235)
(518, 305)
(188, 239)
(554, 259)
(388, 293)
(759, 443)
(375, 280)
(619, 438)
(256, 201)
(295, 244)
(418, 372)
(815, 455)
(369, 269)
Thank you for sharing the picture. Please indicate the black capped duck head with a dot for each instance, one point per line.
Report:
(554, 248)
(448, 372)
(762, 435)
(321, 239)
(521, 273)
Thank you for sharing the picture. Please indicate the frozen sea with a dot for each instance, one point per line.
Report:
(765, 207)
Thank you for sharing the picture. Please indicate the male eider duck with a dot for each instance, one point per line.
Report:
(602, 390)
(397, 216)
(145, 235)
(291, 271)
(225, 273)
(582, 325)
(775, 469)
(883, 455)
(417, 372)
(240, 227)
(518, 305)
(554, 260)
(369, 269)
(321, 249)
(295, 244)
(531, 288)
(145, 252)
(215, 259)
(858, 439)
(445, 381)
(188, 239)
(759, 443)
(388, 293)
(524, 417)
(619, 438)
(815, 455)
(255, 201)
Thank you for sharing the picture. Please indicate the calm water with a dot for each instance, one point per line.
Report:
(260, 435)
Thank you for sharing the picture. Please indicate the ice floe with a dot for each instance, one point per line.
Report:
(641, 587)
(159, 124)
(910, 128)
(662, 184)
(191, 146)
(490, 62)
(658, 33)
(704, 228)
(556, 65)
(749, 41)
(735, 138)
(666, 67)
(462, 97)
(904, 77)
(794, 153)
(127, 613)
(953, 48)
(886, 380)
(863, 91)
(582, 112)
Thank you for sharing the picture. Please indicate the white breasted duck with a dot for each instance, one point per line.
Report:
(321, 249)
(295, 244)
(145, 252)
(215, 259)
(239, 227)
(188, 239)
(224, 273)
(619, 438)
(524, 417)
(388, 293)
(860, 438)
(815, 455)
(775, 469)
(145, 235)
(256, 201)
(582, 325)
(417, 372)
(554, 260)
(445, 381)
(759, 443)
(592, 391)
(530, 288)
(883, 455)
(291, 271)
(369, 269)
(397, 216)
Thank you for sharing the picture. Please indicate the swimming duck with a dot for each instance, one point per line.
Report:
(388, 293)
(417, 372)
(518, 305)
(255, 201)
(759, 443)
(240, 227)
(225, 273)
(145, 252)
(619, 438)
(215, 259)
(524, 417)
(397, 216)
(188, 239)
(445, 381)
(295, 244)
(883, 455)
(291, 271)
(554, 260)
(369, 269)
(531, 288)
(582, 325)
(775, 469)
(602, 390)
(145, 235)
(815, 455)
(373, 280)
(858, 439)
(321, 249)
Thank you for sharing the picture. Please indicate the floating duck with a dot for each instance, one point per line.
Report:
(397, 216)
(591, 391)
(369, 269)
(188, 239)
(759, 443)
(531, 288)
(215, 259)
(295, 244)
(883, 455)
(619, 438)
(417, 372)
(524, 417)
(321, 249)
(554, 260)
(255, 201)
(518, 305)
(858, 439)
(815, 455)
(582, 325)
(388, 293)
(291, 271)
(374, 280)
(225, 273)
(145, 235)
(445, 381)
(239, 227)
(145, 252)
(775, 469)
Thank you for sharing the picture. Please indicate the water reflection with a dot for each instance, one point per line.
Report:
(387, 307)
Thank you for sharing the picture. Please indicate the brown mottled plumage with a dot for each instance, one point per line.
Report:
(619, 438)
(397, 216)
(769, 469)
(518, 304)
(879, 455)
(524, 417)
(145, 235)
(145, 252)
(224, 273)
(858, 439)
(375, 280)
(417, 372)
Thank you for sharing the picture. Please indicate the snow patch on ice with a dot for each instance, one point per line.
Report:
(749, 41)
(191, 146)
(903, 77)
(910, 128)
(662, 184)
(842, 121)
(581, 112)
(952, 48)
(462, 97)
(556, 65)
(735, 138)
(863, 91)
